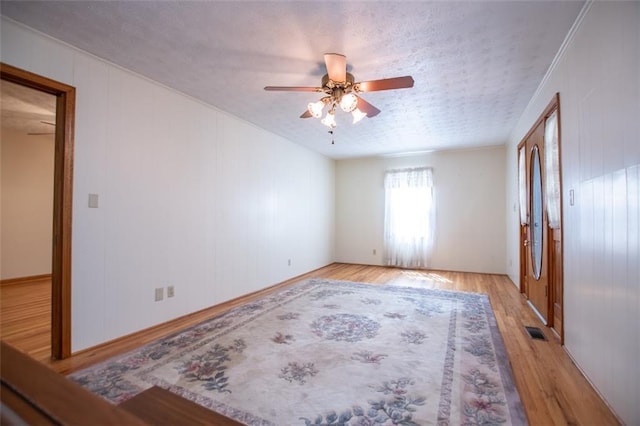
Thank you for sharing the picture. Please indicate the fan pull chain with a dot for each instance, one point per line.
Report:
(331, 133)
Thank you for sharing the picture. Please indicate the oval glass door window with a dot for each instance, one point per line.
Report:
(535, 225)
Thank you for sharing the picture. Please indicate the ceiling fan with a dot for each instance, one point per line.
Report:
(342, 90)
(43, 133)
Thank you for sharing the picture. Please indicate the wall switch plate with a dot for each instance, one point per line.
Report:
(93, 201)
(170, 291)
(289, 262)
(159, 294)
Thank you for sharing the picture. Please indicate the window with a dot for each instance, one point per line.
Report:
(552, 169)
(409, 217)
(522, 185)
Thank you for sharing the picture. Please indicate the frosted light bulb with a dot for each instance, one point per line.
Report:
(315, 109)
(358, 115)
(349, 102)
(329, 120)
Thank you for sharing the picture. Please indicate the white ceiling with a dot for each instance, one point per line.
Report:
(25, 109)
(475, 64)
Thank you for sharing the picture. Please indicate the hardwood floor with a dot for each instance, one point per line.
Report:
(552, 389)
(25, 316)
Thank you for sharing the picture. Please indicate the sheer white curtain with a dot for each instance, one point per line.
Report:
(409, 221)
(552, 169)
(522, 185)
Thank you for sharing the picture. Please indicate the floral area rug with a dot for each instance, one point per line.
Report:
(333, 353)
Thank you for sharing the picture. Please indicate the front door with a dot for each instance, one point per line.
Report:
(540, 196)
(536, 236)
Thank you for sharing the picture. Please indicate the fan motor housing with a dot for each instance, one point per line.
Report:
(328, 83)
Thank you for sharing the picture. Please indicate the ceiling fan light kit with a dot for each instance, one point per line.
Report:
(358, 115)
(349, 102)
(330, 119)
(315, 108)
(341, 90)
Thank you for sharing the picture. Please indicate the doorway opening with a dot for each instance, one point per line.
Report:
(62, 201)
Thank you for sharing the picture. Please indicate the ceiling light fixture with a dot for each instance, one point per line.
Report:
(339, 94)
(349, 102)
(330, 119)
(315, 108)
(341, 90)
(358, 115)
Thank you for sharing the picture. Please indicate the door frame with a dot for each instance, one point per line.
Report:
(555, 272)
(62, 202)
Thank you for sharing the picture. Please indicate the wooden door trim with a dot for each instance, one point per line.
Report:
(557, 234)
(553, 104)
(62, 202)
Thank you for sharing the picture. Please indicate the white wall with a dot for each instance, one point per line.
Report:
(598, 78)
(470, 215)
(188, 196)
(26, 200)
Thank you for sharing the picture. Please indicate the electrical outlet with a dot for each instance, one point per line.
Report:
(289, 262)
(170, 291)
(374, 252)
(159, 294)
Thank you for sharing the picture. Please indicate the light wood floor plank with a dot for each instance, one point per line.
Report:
(552, 389)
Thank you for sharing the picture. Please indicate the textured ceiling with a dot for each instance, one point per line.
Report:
(24, 109)
(475, 64)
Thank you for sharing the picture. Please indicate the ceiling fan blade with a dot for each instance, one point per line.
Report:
(293, 89)
(365, 106)
(385, 84)
(306, 114)
(336, 66)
